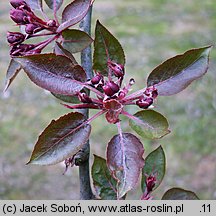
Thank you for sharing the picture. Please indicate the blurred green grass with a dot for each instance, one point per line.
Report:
(150, 31)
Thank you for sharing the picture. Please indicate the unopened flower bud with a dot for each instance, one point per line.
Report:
(21, 49)
(17, 3)
(51, 23)
(131, 81)
(151, 92)
(154, 93)
(117, 69)
(144, 103)
(121, 95)
(110, 88)
(18, 16)
(150, 182)
(98, 79)
(15, 38)
(32, 28)
(83, 97)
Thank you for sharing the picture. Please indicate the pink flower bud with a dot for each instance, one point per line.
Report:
(15, 38)
(18, 16)
(144, 103)
(98, 79)
(117, 69)
(110, 88)
(32, 28)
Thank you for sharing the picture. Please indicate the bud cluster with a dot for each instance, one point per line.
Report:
(111, 98)
(22, 14)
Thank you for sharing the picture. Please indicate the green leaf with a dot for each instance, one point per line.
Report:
(149, 124)
(175, 74)
(155, 163)
(54, 73)
(179, 194)
(75, 40)
(54, 4)
(62, 139)
(106, 47)
(125, 161)
(104, 183)
(35, 4)
(60, 50)
(12, 71)
(74, 13)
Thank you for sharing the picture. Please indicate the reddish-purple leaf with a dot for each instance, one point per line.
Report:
(75, 40)
(35, 4)
(155, 164)
(54, 73)
(62, 139)
(73, 13)
(13, 69)
(54, 4)
(175, 74)
(125, 161)
(179, 194)
(114, 109)
(60, 50)
(104, 183)
(106, 47)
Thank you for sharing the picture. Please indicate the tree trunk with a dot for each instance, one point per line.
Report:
(82, 158)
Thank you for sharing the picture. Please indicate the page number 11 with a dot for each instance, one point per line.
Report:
(206, 208)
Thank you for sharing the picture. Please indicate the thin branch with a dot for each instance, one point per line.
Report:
(82, 158)
(134, 95)
(93, 89)
(82, 106)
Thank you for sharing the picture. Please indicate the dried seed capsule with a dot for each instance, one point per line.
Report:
(15, 38)
(110, 88)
